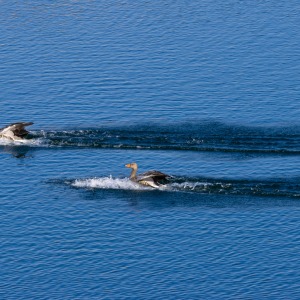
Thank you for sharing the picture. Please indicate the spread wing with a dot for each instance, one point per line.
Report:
(18, 129)
(155, 175)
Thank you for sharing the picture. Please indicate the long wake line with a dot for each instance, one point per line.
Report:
(197, 185)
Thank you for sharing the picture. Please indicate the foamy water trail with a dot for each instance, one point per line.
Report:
(127, 184)
(194, 185)
(108, 183)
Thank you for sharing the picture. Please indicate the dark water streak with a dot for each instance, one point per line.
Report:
(193, 137)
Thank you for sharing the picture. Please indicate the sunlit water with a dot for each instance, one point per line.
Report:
(205, 92)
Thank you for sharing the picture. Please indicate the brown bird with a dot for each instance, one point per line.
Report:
(150, 178)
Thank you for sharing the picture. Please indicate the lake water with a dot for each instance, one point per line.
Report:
(206, 91)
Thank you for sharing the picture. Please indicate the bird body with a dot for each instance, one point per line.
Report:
(15, 131)
(150, 178)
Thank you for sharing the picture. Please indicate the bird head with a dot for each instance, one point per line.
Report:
(131, 166)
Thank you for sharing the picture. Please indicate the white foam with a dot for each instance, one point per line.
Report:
(127, 184)
(31, 142)
(109, 183)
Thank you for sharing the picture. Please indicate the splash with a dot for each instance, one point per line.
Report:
(108, 183)
(127, 184)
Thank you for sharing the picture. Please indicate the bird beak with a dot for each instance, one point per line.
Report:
(127, 166)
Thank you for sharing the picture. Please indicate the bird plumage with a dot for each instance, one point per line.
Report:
(15, 131)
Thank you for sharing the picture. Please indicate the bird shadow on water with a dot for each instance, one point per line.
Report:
(17, 151)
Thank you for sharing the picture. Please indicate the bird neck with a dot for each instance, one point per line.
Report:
(133, 174)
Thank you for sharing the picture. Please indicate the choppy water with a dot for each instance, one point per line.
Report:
(205, 92)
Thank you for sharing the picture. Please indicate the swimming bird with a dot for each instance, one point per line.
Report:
(15, 131)
(150, 178)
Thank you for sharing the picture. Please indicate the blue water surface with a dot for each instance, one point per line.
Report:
(207, 92)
